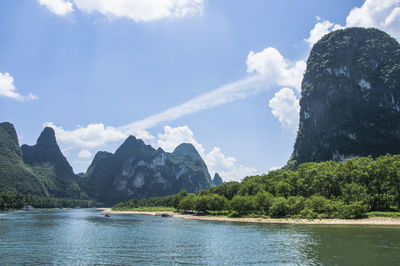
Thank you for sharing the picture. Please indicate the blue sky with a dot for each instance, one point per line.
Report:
(223, 75)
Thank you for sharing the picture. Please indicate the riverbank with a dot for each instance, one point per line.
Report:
(363, 221)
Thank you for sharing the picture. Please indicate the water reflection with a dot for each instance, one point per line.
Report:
(87, 237)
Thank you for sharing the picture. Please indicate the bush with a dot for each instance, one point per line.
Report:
(262, 202)
(243, 205)
(295, 205)
(355, 192)
(353, 210)
(187, 203)
(318, 204)
(202, 203)
(217, 202)
(279, 207)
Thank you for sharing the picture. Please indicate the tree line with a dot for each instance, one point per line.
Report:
(13, 200)
(314, 190)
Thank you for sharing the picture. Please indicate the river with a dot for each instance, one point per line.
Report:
(86, 237)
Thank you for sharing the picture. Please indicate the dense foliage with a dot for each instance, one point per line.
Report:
(315, 190)
(150, 202)
(11, 200)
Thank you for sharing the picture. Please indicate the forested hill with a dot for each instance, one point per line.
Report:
(15, 176)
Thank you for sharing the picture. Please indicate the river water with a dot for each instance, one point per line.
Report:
(86, 237)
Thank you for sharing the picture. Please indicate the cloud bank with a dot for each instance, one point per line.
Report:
(137, 10)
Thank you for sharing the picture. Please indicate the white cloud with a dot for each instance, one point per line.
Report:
(172, 137)
(382, 14)
(94, 135)
(8, 89)
(276, 69)
(274, 168)
(319, 30)
(226, 166)
(285, 106)
(137, 10)
(84, 154)
(58, 7)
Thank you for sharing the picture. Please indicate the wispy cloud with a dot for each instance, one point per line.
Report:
(137, 10)
(225, 94)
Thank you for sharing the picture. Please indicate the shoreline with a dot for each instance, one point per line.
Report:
(387, 221)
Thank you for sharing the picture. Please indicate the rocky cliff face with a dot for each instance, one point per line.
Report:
(137, 170)
(15, 176)
(52, 168)
(350, 100)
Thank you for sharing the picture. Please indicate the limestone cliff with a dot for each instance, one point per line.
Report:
(350, 100)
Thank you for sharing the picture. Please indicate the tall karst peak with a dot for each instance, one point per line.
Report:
(350, 100)
(217, 180)
(46, 150)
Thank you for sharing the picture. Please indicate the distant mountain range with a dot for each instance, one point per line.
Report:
(135, 170)
(138, 170)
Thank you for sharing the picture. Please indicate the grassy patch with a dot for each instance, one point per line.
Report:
(145, 209)
(384, 214)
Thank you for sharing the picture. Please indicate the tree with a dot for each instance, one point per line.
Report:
(178, 197)
(263, 201)
(187, 203)
(243, 205)
(279, 207)
(217, 202)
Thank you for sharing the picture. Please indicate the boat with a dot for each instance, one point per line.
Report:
(28, 208)
(107, 215)
(166, 214)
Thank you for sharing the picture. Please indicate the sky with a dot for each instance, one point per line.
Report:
(223, 75)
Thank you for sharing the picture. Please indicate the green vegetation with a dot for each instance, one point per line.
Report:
(145, 209)
(11, 200)
(157, 202)
(356, 188)
(384, 214)
(15, 176)
(51, 167)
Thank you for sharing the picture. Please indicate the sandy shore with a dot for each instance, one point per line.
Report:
(364, 221)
